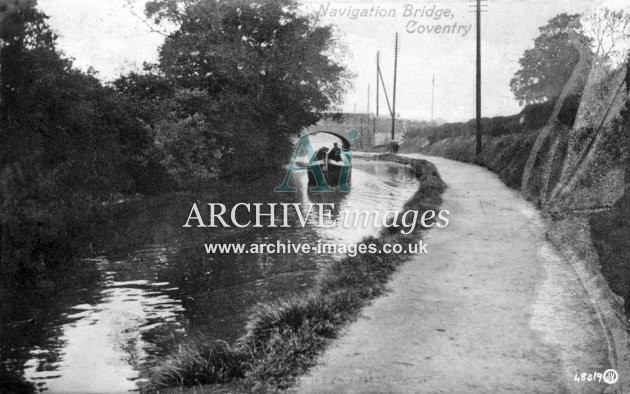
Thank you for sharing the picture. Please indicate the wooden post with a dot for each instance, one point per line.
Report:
(394, 94)
(478, 87)
(432, 96)
(378, 72)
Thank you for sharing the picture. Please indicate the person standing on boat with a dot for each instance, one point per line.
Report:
(335, 153)
(321, 154)
(320, 158)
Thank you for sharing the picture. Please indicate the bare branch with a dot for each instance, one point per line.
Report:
(144, 20)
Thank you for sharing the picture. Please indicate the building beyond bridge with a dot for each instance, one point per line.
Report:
(374, 131)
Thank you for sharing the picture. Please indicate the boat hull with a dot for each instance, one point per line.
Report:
(332, 175)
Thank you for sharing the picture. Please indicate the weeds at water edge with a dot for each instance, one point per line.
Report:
(284, 338)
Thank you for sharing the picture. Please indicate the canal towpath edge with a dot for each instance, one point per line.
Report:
(493, 307)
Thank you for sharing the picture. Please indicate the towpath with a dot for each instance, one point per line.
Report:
(493, 307)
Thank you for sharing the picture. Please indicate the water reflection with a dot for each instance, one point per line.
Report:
(101, 347)
(155, 280)
(378, 186)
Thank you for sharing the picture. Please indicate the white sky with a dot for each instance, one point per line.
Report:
(106, 35)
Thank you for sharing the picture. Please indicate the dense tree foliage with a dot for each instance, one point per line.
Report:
(547, 66)
(245, 77)
(68, 145)
(235, 82)
(68, 135)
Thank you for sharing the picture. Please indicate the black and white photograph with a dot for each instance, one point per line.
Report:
(314, 196)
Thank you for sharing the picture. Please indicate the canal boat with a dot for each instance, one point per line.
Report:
(334, 166)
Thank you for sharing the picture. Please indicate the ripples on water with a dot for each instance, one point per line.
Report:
(156, 282)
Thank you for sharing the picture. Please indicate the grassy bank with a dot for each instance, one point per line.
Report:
(505, 155)
(284, 338)
(610, 232)
(507, 140)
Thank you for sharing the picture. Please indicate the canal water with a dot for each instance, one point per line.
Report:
(150, 280)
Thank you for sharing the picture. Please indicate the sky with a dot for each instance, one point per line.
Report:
(107, 36)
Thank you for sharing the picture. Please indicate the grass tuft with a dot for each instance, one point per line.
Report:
(199, 362)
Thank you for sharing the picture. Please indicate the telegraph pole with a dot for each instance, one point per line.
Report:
(368, 100)
(378, 73)
(432, 96)
(478, 88)
(378, 89)
(394, 94)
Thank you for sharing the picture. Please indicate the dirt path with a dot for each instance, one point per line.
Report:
(493, 307)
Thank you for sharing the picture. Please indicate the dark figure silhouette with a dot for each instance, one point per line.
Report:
(335, 153)
(321, 154)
